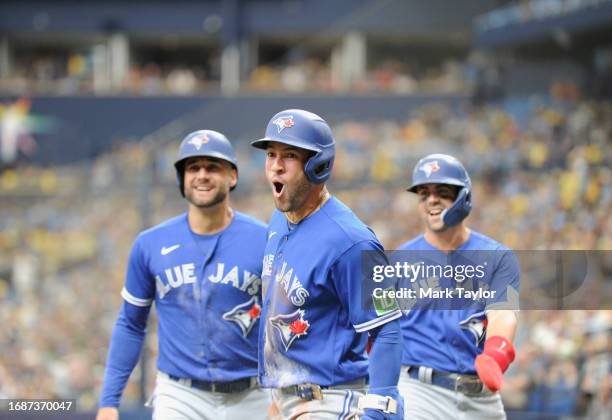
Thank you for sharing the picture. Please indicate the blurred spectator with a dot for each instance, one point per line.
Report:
(181, 81)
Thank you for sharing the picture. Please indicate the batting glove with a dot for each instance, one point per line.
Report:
(494, 361)
(382, 404)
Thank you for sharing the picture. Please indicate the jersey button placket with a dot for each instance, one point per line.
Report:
(278, 255)
(205, 337)
(277, 263)
(279, 250)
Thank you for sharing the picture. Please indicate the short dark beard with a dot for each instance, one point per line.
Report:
(219, 198)
(298, 197)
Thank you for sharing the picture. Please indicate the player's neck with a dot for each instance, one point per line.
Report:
(449, 239)
(209, 220)
(314, 201)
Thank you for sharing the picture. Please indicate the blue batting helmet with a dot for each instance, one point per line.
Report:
(304, 130)
(203, 143)
(445, 169)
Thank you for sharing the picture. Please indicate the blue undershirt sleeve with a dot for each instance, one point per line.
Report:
(385, 357)
(125, 346)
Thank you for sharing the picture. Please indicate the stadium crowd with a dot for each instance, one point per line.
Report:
(541, 181)
(74, 74)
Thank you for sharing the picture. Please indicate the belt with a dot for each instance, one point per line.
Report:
(469, 385)
(233, 387)
(311, 392)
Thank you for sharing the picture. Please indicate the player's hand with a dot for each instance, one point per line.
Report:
(374, 414)
(492, 363)
(273, 411)
(107, 413)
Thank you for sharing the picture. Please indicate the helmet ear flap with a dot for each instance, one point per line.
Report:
(318, 168)
(460, 209)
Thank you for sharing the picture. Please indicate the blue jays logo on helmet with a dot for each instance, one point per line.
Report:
(304, 130)
(290, 327)
(244, 315)
(430, 167)
(284, 122)
(198, 141)
(445, 169)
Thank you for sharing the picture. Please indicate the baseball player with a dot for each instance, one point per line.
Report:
(454, 359)
(312, 340)
(203, 271)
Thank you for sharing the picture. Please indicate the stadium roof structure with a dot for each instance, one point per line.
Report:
(542, 20)
(260, 17)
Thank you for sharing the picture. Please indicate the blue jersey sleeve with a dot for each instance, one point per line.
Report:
(354, 288)
(139, 289)
(126, 343)
(505, 283)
